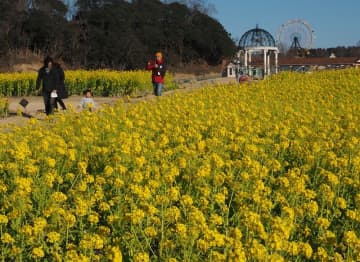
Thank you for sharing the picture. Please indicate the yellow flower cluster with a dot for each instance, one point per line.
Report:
(267, 171)
(101, 82)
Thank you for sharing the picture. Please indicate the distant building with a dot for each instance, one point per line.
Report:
(231, 70)
(300, 64)
(317, 63)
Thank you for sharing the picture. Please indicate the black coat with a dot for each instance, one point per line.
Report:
(61, 88)
(48, 79)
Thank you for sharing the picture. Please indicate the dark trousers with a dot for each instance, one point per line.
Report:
(61, 103)
(49, 103)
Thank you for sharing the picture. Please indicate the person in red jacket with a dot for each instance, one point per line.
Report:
(158, 72)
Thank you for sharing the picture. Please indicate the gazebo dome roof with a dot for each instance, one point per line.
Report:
(256, 37)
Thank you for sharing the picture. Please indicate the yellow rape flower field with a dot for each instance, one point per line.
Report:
(266, 171)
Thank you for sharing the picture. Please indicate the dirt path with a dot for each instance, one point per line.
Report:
(20, 116)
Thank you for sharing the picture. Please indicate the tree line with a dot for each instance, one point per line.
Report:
(114, 34)
(340, 51)
(120, 34)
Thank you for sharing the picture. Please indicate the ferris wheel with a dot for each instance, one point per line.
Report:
(296, 35)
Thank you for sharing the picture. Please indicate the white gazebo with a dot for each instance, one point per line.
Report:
(257, 43)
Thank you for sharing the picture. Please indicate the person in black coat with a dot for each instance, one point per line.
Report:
(61, 88)
(49, 80)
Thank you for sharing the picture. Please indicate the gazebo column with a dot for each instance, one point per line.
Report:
(265, 62)
(246, 59)
(248, 68)
(268, 51)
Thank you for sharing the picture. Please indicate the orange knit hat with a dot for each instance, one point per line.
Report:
(158, 54)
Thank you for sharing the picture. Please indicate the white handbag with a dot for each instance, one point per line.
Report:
(53, 94)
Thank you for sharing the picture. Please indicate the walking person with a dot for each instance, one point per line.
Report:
(158, 72)
(49, 80)
(62, 91)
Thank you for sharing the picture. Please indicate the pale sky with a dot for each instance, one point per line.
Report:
(334, 22)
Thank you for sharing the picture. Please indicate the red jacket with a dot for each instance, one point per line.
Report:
(158, 73)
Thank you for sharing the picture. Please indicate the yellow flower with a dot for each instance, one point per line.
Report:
(181, 230)
(276, 258)
(93, 218)
(257, 251)
(24, 185)
(236, 234)
(202, 245)
(37, 252)
(82, 166)
(328, 237)
(306, 250)
(140, 161)
(72, 154)
(115, 254)
(103, 230)
(350, 238)
(186, 200)
(323, 223)
(27, 230)
(108, 170)
(141, 257)
(217, 256)
(276, 242)
(39, 225)
(86, 241)
(182, 162)
(31, 169)
(196, 217)
(203, 172)
(53, 237)
(172, 214)
(294, 248)
(341, 203)
(15, 251)
(69, 219)
(81, 207)
(173, 193)
(219, 198)
(49, 179)
(6, 238)
(136, 216)
(150, 232)
(311, 208)
(103, 206)
(98, 242)
(321, 254)
(3, 186)
(3, 219)
(219, 179)
(51, 162)
(58, 197)
(82, 186)
(216, 219)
